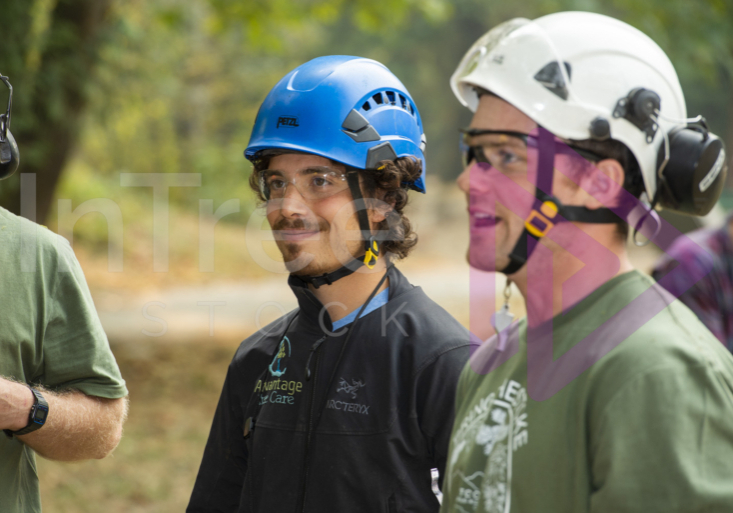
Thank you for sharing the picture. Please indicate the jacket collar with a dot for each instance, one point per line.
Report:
(311, 308)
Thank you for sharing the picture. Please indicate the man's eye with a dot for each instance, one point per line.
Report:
(276, 184)
(508, 157)
(320, 181)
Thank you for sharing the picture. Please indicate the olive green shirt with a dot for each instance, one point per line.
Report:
(646, 428)
(49, 335)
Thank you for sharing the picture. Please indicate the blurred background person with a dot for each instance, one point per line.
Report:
(711, 298)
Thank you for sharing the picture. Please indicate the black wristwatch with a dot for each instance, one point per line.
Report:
(37, 418)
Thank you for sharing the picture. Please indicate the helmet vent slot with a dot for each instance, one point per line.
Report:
(385, 98)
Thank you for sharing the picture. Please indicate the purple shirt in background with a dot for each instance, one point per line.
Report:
(712, 297)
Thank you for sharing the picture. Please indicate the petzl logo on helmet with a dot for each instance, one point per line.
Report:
(291, 121)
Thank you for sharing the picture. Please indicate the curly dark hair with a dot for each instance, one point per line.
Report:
(386, 183)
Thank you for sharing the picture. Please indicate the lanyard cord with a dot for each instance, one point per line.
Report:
(348, 337)
(314, 417)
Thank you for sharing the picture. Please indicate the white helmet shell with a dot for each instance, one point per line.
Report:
(596, 60)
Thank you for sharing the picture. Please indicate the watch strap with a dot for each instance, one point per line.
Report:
(33, 423)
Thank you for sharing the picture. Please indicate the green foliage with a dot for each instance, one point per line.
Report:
(268, 22)
(170, 98)
(180, 84)
(695, 35)
(176, 85)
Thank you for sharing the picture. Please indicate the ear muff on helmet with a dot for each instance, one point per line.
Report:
(692, 179)
(691, 162)
(9, 154)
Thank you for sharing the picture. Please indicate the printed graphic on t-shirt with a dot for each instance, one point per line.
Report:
(496, 427)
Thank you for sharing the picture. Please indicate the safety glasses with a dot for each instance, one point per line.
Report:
(313, 183)
(506, 150)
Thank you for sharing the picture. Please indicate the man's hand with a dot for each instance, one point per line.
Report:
(79, 427)
(16, 400)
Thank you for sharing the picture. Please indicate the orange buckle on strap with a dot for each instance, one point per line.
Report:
(548, 211)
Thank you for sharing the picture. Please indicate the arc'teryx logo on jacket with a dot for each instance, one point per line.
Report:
(349, 389)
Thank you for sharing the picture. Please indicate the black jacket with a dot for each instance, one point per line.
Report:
(367, 442)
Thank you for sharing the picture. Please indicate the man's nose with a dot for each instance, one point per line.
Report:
(293, 203)
(464, 179)
(474, 179)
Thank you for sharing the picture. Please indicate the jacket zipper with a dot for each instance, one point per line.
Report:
(314, 350)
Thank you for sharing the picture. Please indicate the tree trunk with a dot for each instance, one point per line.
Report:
(49, 101)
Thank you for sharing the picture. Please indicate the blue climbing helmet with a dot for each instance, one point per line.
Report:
(348, 109)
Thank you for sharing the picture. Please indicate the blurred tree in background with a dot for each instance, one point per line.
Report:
(49, 50)
(110, 86)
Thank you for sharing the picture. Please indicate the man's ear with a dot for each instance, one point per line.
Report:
(378, 210)
(604, 184)
(378, 207)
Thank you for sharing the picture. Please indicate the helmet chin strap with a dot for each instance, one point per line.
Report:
(329, 278)
(371, 246)
(547, 210)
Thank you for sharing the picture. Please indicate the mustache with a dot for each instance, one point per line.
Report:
(300, 224)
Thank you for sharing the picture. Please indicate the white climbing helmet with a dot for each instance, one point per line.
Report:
(581, 76)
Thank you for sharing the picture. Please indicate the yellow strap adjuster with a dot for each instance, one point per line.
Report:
(372, 254)
(548, 210)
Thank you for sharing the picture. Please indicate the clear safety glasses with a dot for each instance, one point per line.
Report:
(507, 151)
(314, 183)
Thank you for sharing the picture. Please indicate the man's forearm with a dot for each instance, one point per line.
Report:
(78, 427)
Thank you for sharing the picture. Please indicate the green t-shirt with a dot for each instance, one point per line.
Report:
(646, 428)
(49, 335)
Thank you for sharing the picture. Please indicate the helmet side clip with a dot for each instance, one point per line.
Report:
(639, 108)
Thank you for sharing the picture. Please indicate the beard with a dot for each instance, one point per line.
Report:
(319, 257)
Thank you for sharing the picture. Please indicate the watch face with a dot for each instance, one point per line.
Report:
(40, 416)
